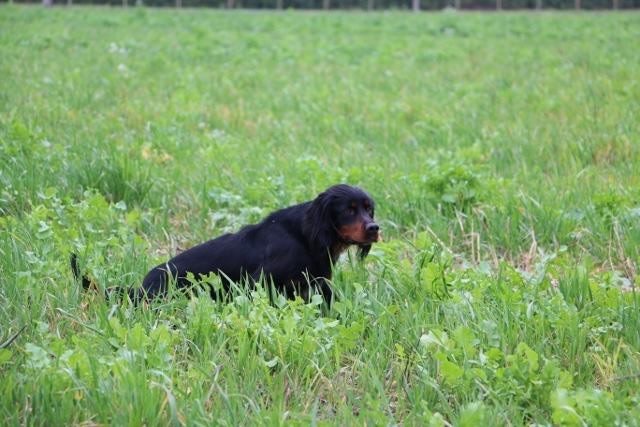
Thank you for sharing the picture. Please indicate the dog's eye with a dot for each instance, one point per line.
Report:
(351, 210)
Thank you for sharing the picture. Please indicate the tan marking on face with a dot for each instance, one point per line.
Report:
(353, 232)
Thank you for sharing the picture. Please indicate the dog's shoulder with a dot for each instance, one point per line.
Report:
(290, 218)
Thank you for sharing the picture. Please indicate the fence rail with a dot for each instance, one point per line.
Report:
(415, 5)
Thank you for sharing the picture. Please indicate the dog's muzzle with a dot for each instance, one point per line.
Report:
(372, 232)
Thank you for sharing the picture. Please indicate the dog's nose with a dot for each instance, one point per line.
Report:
(372, 228)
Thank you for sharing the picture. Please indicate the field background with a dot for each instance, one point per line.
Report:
(502, 151)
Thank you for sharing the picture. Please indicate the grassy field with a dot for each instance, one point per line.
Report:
(503, 153)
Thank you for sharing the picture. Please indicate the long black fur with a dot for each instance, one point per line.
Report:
(293, 248)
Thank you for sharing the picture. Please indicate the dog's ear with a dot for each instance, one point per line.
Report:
(317, 224)
(363, 251)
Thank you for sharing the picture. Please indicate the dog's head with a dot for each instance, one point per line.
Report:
(342, 214)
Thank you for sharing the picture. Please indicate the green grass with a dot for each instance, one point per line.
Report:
(502, 151)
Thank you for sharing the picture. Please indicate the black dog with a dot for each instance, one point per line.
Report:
(293, 248)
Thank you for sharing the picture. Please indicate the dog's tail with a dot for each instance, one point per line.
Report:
(86, 282)
(135, 295)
